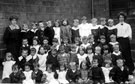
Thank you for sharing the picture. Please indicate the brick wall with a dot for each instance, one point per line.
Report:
(31, 10)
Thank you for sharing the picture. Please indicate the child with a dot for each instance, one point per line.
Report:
(49, 32)
(95, 29)
(26, 33)
(106, 53)
(75, 30)
(85, 74)
(77, 43)
(103, 28)
(57, 31)
(111, 28)
(102, 41)
(81, 55)
(42, 55)
(90, 55)
(84, 28)
(97, 73)
(62, 74)
(52, 59)
(25, 44)
(63, 57)
(7, 65)
(85, 43)
(38, 73)
(132, 78)
(46, 43)
(66, 30)
(116, 54)
(72, 73)
(49, 74)
(65, 42)
(113, 40)
(98, 55)
(29, 75)
(24, 58)
(16, 76)
(106, 70)
(119, 73)
(35, 44)
(34, 29)
(55, 44)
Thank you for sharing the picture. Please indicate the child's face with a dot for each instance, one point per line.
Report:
(107, 65)
(73, 49)
(64, 22)
(113, 39)
(25, 42)
(49, 23)
(49, 70)
(24, 53)
(89, 51)
(15, 70)
(42, 50)
(94, 22)
(33, 53)
(81, 52)
(45, 41)
(56, 24)
(62, 68)
(53, 52)
(102, 40)
(36, 68)
(84, 66)
(41, 25)
(25, 26)
(76, 24)
(27, 68)
(65, 41)
(91, 40)
(85, 41)
(76, 42)
(103, 22)
(95, 64)
(119, 63)
(14, 21)
(105, 51)
(35, 42)
(73, 67)
(84, 21)
(110, 23)
(116, 48)
(8, 56)
(34, 26)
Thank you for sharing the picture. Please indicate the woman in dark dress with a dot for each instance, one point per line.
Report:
(124, 34)
(12, 37)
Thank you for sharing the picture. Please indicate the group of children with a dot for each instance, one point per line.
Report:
(85, 53)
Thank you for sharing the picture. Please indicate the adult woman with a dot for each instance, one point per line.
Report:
(124, 34)
(12, 37)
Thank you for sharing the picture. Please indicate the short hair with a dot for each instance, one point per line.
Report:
(32, 50)
(84, 18)
(102, 37)
(36, 65)
(84, 38)
(45, 38)
(13, 17)
(110, 20)
(113, 36)
(122, 14)
(15, 66)
(102, 19)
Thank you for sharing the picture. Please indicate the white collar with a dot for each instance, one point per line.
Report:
(117, 53)
(75, 28)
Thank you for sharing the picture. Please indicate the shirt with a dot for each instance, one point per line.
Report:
(124, 30)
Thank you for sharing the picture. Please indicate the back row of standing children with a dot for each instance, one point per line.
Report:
(84, 53)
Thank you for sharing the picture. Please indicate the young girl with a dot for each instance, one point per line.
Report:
(7, 65)
(35, 44)
(85, 74)
(66, 30)
(29, 75)
(106, 70)
(49, 74)
(34, 29)
(113, 40)
(42, 55)
(81, 55)
(75, 30)
(57, 31)
(46, 43)
(55, 44)
(90, 55)
(106, 53)
(62, 75)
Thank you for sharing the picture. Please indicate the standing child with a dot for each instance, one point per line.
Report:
(57, 31)
(62, 75)
(42, 55)
(75, 30)
(33, 30)
(7, 65)
(29, 75)
(97, 73)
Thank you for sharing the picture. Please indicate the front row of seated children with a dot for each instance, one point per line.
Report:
(86, 74)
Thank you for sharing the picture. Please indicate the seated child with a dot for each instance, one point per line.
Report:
(16, 76)
(97, 73)
(119, 73)
(85, 43)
